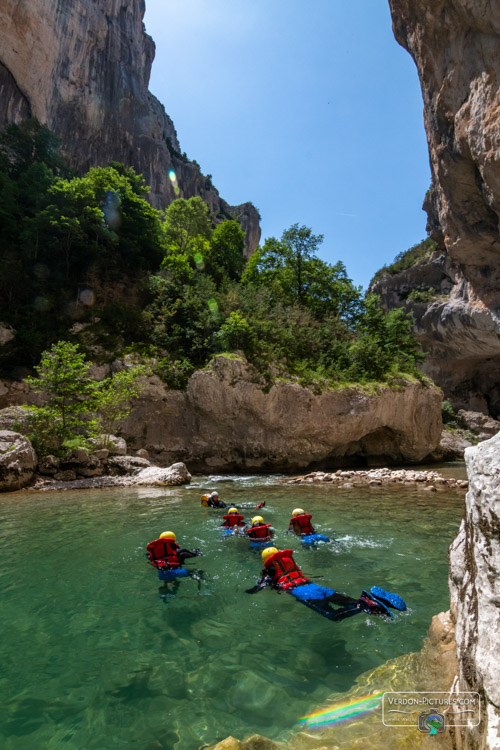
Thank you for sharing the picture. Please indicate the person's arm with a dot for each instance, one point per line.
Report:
(265, 580)
(184, 554)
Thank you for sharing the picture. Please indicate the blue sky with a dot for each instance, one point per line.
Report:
(307, 108)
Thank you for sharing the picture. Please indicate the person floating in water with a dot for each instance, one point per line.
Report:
(260, 532)
(233, 520)
(300, 524)
(282, 573)
(168, 557)
(212, 500)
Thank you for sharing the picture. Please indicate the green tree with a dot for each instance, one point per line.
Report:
(186, 221)
(225, 256)
(287, 261)
(291, 267)
(70, 393)
(115, 396)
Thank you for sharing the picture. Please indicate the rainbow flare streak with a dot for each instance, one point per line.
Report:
(342, 711)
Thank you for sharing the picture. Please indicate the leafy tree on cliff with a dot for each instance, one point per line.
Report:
(186, 221)
(290, 266)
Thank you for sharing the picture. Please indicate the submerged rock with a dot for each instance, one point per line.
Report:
(17, 461)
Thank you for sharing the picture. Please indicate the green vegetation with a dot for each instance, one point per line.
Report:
(407, 259)
(450, 418)
(422, 294)
(86, 258)
(76, 406)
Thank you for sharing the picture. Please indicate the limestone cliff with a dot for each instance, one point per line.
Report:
(475, 591)
(83, 69)
(456, 47)
(226, 420)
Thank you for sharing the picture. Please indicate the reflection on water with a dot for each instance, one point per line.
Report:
(94, 657)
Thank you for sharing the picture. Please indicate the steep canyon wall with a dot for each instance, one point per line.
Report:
(456, 47)
(83, 68)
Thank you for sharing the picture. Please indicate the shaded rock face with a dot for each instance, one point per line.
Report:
(475, 591)
(17, 461)
(83, 69)
(460, 334)
(456, 47)
(227, 420)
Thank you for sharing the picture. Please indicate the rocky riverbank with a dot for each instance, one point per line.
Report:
(20, 468)
(430, 481)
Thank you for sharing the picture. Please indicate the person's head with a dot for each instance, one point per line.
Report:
(168, 535)
(257, 519)
(266, 553)
(297, 512)
(232, 510)
(214, 495)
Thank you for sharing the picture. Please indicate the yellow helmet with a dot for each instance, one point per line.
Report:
(204, 499)
(233, 510)
(257, 519)
(266, 553)
(297, 512)
(168, 535)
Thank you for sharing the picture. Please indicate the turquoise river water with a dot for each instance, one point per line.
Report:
(94, 657)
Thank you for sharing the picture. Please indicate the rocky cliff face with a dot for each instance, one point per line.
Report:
(456, 47)
(226, 420)
(475, 592)
(460, 336)
(83, 69)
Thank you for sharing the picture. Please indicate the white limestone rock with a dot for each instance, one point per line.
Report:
(475, 590)
(18, 461)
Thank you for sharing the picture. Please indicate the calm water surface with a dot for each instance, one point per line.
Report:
(94, 657)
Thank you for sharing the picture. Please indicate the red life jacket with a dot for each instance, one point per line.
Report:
(284, 570)
(260, 532)
(233, 519)
(163, 552)
(302, 524)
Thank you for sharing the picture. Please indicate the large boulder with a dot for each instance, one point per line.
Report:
(83, 463)
(229, 420)
(173, 475)
(126, 465)
(17, 461)
(480, 424)
(452, 446)
(14, 418)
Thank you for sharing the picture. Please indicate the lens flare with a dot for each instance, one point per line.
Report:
(198, 259)
(342, 711)
(110, 209)
(213, 306)
(173, 179)
(86, 297)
